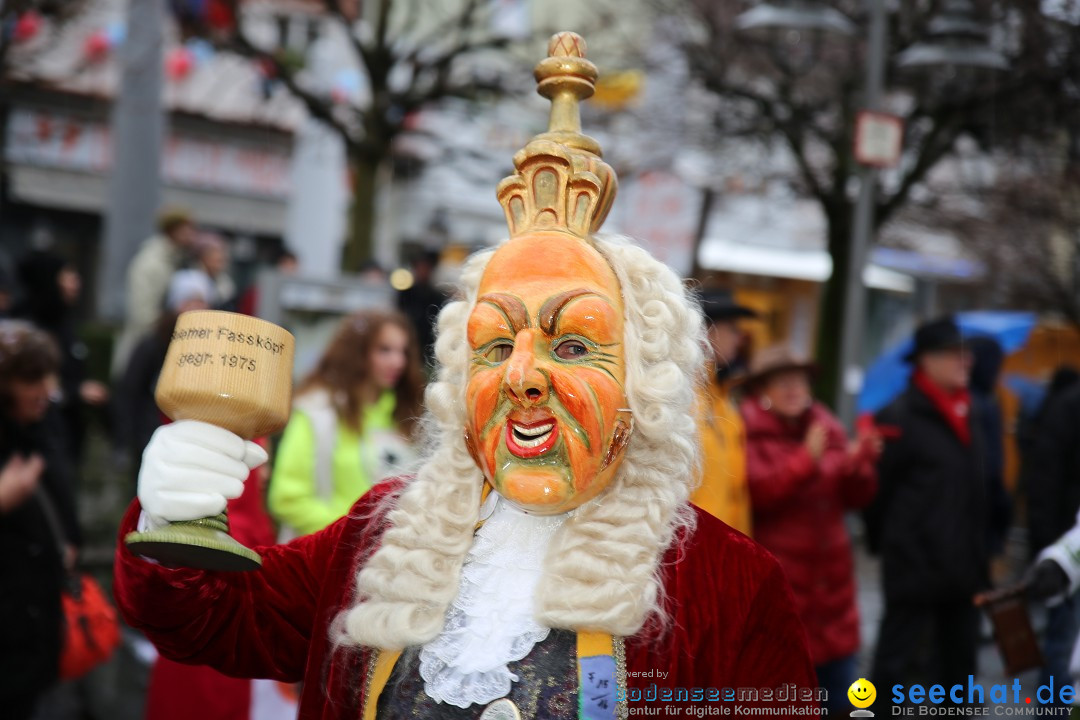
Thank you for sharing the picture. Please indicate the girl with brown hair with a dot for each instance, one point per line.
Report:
(353, 423)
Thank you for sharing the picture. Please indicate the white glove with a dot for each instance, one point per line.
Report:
(190, 469)
(1066, 553)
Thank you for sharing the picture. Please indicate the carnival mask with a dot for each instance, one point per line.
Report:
(547, 418)
(547, 411)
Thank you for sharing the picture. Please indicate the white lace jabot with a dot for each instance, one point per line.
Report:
(491, 622)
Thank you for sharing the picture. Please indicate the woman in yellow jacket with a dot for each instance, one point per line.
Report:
(352, 425)
(723, 492)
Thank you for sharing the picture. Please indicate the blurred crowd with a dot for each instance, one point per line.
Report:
(925, 475)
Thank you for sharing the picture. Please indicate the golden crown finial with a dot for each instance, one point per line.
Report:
(561, 181)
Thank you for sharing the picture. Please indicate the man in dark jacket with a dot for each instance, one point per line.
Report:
(929, 519)
(1052, 471)
(1051, 462)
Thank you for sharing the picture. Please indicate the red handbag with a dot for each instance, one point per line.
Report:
(91, 629)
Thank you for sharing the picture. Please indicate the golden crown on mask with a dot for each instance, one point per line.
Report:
(562, 182)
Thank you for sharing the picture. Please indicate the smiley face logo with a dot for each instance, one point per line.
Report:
(862, 693)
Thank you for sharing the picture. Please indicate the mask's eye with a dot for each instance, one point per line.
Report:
(499, 353)
(571, 350)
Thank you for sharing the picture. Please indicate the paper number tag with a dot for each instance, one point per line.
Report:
(597, 701)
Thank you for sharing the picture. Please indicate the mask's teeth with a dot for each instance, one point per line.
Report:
(534, 431)
(531, 441)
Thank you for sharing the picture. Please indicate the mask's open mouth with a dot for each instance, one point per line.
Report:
(532, 439)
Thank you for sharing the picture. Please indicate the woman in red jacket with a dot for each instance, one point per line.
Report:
(803, 476)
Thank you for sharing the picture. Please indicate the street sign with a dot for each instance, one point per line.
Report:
(878, 138)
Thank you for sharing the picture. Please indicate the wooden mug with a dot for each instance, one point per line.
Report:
(233, 371)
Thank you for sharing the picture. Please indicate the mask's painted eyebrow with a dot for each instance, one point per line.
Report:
(549, 312)
(517, 317)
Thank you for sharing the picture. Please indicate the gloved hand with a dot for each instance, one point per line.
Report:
(1045, 580)
(190, 469)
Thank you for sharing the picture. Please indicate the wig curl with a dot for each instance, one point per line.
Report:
(602, 568)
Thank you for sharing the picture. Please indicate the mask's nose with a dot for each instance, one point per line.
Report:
(523, 382)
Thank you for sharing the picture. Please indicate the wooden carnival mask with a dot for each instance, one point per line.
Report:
(547, 409)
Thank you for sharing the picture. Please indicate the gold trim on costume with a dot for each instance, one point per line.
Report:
(619, 646)
(378, 674)
(369, 682)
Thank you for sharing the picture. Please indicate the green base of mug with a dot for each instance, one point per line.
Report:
(203, 544)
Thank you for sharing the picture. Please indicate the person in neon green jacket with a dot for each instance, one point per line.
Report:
(353, 420)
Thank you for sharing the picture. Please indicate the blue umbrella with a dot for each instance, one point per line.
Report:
(1030, 392)
(889, 374)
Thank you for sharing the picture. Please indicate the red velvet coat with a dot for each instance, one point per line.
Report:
(182, 692)
(799, 507)
(734, 622)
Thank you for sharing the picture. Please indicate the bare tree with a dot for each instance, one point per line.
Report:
(804, 92)
(1025, 228)
(435, 45)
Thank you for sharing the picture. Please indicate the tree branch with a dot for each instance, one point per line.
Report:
(361, 50)
(315, 104)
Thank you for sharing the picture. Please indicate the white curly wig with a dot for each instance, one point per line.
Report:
(602, 568)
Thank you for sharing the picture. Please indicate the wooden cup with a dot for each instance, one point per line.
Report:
(233, 371)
